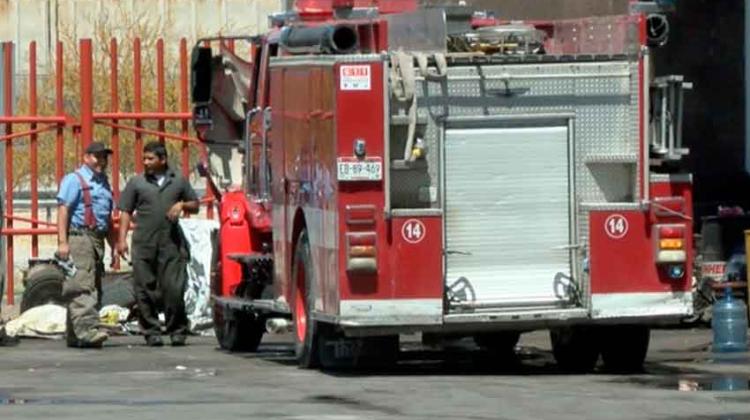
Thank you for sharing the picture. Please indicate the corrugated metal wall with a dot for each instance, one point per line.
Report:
(45, 21)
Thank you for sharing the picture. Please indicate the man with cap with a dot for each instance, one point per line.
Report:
(84, 222)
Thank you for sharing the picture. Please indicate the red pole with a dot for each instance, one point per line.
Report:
(160, 83)
(34, 149)
(184, 105)
(8, 106)
(114, 106)
(209, 194)
(60, 112)
(87, 93)
(137, 102)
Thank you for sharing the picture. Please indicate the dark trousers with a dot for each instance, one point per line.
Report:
(159, 271)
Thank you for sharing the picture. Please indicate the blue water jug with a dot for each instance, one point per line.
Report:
(729, 324)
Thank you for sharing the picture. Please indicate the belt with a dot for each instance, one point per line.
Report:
(80, 231)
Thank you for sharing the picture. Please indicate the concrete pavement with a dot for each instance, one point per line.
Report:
(43, 379)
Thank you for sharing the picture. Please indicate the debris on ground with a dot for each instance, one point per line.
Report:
(117, 320)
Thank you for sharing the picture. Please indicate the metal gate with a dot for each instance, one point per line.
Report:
(73, 125)
(509, 214)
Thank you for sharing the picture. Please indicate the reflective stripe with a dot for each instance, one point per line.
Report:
(393, 311)
(615, 305)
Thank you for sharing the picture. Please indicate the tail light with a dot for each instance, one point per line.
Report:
(671, 249)
(671, 231)
(361, 245)
(361, 252)
(666, 244)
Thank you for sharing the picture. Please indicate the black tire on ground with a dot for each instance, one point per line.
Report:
(43, 285)
(502, 342)
(624, 348)
(576, 349)
(305, 328)
(118, 289)
(238, 332)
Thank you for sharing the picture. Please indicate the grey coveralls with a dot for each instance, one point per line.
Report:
(159, 250)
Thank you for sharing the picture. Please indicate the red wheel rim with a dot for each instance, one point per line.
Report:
(300, 312)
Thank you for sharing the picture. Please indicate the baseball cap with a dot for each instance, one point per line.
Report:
(97, 147)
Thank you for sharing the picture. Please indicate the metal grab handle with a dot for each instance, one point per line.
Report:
(451, 252)
(571, 246)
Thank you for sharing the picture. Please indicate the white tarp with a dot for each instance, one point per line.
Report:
(46, 321)
(199, 234)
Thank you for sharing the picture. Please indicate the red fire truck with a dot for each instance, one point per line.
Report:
(376, 180)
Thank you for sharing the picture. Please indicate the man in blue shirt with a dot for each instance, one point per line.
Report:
(83, 223)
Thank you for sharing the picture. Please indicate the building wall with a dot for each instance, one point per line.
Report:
(707, 45)
(45, 21)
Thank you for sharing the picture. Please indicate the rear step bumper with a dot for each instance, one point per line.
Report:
(269, 307)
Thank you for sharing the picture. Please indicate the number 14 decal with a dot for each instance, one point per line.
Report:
(413, 231)
(616, 226)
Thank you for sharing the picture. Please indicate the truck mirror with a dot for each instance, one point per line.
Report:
(200, 74)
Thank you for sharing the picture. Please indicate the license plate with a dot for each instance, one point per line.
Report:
(359, 170)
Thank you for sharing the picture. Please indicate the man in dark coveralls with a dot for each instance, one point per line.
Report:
(158, 197)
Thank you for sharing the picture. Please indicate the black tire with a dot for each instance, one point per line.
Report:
(118, 289)
(43, 286)
(575, 349)
(305, 328)
(503, 342)
(239, 332)
(624, 348)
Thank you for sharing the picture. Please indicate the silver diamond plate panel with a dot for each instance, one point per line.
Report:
(602, 95)
(611, 158)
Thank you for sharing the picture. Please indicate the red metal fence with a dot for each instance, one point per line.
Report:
(76, 131)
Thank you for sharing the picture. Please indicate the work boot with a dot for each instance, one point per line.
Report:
(154, 341)
(178, 340)
(93, 339)
(6, 340)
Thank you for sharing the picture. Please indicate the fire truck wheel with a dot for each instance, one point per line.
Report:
(241, 333)
(624, 348)
(305, 328)
(575, 348)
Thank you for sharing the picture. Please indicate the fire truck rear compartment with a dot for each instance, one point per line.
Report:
(507, 216)
(515, 156)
